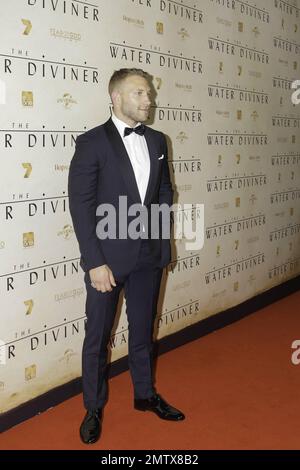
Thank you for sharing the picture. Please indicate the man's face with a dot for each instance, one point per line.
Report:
(132, 103)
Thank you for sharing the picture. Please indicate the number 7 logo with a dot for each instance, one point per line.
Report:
(296, 94)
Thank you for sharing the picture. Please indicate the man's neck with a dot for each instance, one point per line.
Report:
(125, 120)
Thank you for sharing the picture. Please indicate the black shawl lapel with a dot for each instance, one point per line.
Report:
(154, 164)
(124, 161)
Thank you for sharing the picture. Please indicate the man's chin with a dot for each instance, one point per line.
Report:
(144, 117)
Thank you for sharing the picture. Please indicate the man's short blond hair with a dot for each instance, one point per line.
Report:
(120, 75)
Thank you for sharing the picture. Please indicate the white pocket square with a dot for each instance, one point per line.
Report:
(160, 158)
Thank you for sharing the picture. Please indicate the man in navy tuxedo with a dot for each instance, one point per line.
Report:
(121, 158)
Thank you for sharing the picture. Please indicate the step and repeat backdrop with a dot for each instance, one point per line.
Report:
(222, 72)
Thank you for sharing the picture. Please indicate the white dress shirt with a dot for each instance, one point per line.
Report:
(138, 153)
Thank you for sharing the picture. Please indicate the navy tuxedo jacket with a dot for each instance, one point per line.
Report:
(100, 172)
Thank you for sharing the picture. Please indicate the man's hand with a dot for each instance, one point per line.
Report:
(102, 278)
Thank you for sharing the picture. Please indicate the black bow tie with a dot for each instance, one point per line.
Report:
(140, 130)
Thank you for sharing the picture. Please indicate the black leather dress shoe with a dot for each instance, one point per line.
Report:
(160, 407)
(90, 428)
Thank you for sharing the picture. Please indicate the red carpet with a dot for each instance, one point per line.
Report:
(237, 387)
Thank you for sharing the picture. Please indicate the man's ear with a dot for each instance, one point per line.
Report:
(115, 97)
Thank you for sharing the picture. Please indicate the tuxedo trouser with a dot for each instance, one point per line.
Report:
(141, 289)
